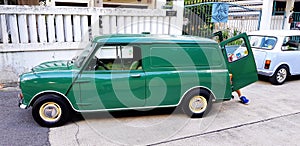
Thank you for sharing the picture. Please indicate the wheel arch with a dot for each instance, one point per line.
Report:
(282, 65)
(197, 88)
(58, 94)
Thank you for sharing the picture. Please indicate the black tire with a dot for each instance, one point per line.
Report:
(50, 105)
(202, 97)
(279, 76)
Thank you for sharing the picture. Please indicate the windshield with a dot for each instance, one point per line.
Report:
(262, 42)
(78, 60)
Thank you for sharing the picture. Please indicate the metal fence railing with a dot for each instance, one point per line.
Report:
(198, 19)
(296, 20)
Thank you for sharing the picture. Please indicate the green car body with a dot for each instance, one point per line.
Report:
(171, 68)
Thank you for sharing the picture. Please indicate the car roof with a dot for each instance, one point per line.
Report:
(275, 32)
(148, 38)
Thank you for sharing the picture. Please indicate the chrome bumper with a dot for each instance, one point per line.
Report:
(21, 105)
(265, 72)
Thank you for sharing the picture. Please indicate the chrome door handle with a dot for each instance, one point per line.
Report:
(135, 75)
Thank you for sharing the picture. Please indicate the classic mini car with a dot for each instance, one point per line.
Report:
(276, 53)
(144, 71)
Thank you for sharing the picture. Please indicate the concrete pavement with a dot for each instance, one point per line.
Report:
(272, 118)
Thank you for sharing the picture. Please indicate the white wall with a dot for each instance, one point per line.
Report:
(15, 63)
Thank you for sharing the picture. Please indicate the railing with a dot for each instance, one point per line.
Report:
(296, 20)
(198, 18)
(33, 28)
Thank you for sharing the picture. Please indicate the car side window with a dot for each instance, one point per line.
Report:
(116, 57)
(291, 43)
(263, 42)
(236, 50)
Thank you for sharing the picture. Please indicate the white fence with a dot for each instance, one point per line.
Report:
(38, 27)
(30, 35)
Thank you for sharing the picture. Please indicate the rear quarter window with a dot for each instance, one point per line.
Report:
(291, 43)
(262, 42)
(185, 56)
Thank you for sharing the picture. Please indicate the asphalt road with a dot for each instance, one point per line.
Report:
(272, 118)
(17, 126)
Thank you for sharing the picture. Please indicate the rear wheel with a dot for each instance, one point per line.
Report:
(280, 76)
(197, 103)
(50, 111)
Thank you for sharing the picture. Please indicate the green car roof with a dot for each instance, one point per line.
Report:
(148, 38)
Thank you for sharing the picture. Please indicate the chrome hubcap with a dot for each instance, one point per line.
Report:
(50, 111)
(198, 104)
(281, 75)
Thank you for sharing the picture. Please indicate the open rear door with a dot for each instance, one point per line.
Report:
(240, 60)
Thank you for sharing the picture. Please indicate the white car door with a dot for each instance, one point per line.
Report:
(291, 54)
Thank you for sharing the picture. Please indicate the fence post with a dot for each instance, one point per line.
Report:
(32, 28)
(84, 28)
(76, 30)
(68, 28)
(22, 22)
(4, 33)
(14, 28)
(42, 28)
(95, 25)
(106, 24)
(51, 29)
(59, 28)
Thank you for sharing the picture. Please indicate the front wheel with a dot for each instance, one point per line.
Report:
(197, 103)
(50, 111)
(280, 76)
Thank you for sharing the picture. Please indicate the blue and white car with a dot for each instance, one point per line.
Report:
(276, 53)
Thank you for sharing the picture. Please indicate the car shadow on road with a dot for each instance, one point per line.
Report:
(289, 78)
(125, 114)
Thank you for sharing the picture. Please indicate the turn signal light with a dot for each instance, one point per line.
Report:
(267, 64)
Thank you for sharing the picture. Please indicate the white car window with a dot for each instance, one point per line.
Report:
(262, 42)
(291, 43)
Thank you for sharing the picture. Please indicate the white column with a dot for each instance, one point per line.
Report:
(141, 24)
(106, 24)
(32, 28)
(120, 24)
(266, 15)
(160, 3)
(42, 31)
(3, 26)
(147, 25)
(113, 24)
(23, 30)
(128, 24)
(59, 22)
(76, 29)
(166, 28)
(68, 28)
(95, 25)
(135, 25)
(288, 12)
(160, 25)
(177, 22)
(14, 29)
(51, 28)
(84, 28)
(154, 25)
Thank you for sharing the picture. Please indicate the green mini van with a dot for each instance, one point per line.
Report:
(133, 72)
